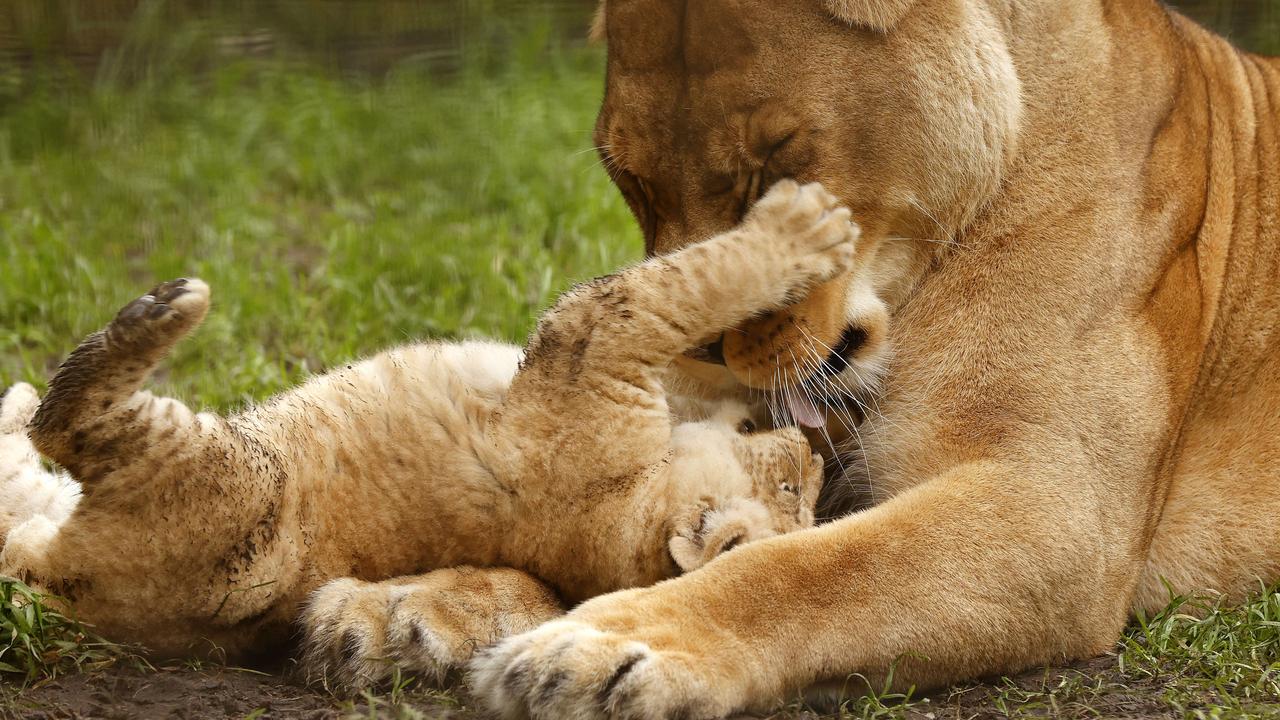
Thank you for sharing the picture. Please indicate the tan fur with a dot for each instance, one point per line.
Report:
(1071, 213)
(199, 527)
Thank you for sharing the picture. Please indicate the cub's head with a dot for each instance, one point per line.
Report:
(733, 483)
(907, 110)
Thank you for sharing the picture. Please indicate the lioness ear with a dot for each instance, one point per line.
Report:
(597, 32)
(879, 15)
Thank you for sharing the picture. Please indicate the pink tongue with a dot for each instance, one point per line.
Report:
(804, 411)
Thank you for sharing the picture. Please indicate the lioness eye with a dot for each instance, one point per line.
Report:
(746, 427)
(781, 143)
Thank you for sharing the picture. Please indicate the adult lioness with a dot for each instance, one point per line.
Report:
(1076, 212)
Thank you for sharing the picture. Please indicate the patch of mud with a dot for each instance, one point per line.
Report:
(1093, 689)
(126, 694)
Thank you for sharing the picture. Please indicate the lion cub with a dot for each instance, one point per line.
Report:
(562, 462)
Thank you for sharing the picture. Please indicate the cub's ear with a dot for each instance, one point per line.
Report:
(878, 15)
(712, 531)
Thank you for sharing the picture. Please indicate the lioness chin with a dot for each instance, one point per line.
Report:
(1070, 213)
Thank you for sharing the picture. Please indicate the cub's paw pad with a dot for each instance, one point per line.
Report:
(809, 226)
(344, 636)
(168, 291)
(169, 310)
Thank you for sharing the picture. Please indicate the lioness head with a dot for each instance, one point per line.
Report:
(907, 110)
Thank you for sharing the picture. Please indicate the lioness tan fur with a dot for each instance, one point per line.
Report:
(1072, 214)
(195, 527)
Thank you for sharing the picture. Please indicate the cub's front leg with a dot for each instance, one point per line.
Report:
(600, 352)
(794, 238)
(357, 633)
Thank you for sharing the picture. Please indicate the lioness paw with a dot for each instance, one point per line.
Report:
(808, 227)
(567, 669)
(162, 316)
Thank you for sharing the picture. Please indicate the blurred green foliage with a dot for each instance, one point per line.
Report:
(347, 175)
(333, 214)
(1251, 24)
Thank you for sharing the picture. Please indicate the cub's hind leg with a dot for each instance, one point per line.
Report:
(192, 517)
(95, 415)
(358, 633)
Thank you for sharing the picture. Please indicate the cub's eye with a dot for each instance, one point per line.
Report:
(789, 488)
(747, 427)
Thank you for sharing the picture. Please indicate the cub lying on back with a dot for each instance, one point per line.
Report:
(563, 462)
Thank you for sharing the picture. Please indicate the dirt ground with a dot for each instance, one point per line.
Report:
(1089, 690)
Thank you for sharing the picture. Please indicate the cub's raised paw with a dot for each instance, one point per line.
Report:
(568, 669)
(162, 316)
(811, 233)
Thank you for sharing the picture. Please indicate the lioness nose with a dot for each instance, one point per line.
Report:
(843, 353)
(789, 346)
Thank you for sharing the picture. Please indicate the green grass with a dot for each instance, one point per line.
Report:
(335, 215)
(1207, 655)
(1197, 658)
(332, 216)
(38, 642)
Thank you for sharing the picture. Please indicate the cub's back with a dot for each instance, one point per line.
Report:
(385, 449)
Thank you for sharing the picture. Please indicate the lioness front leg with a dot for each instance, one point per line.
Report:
(357, 633)
(963, 576)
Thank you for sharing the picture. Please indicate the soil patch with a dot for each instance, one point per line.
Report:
(126, 694)
(1094, 689)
